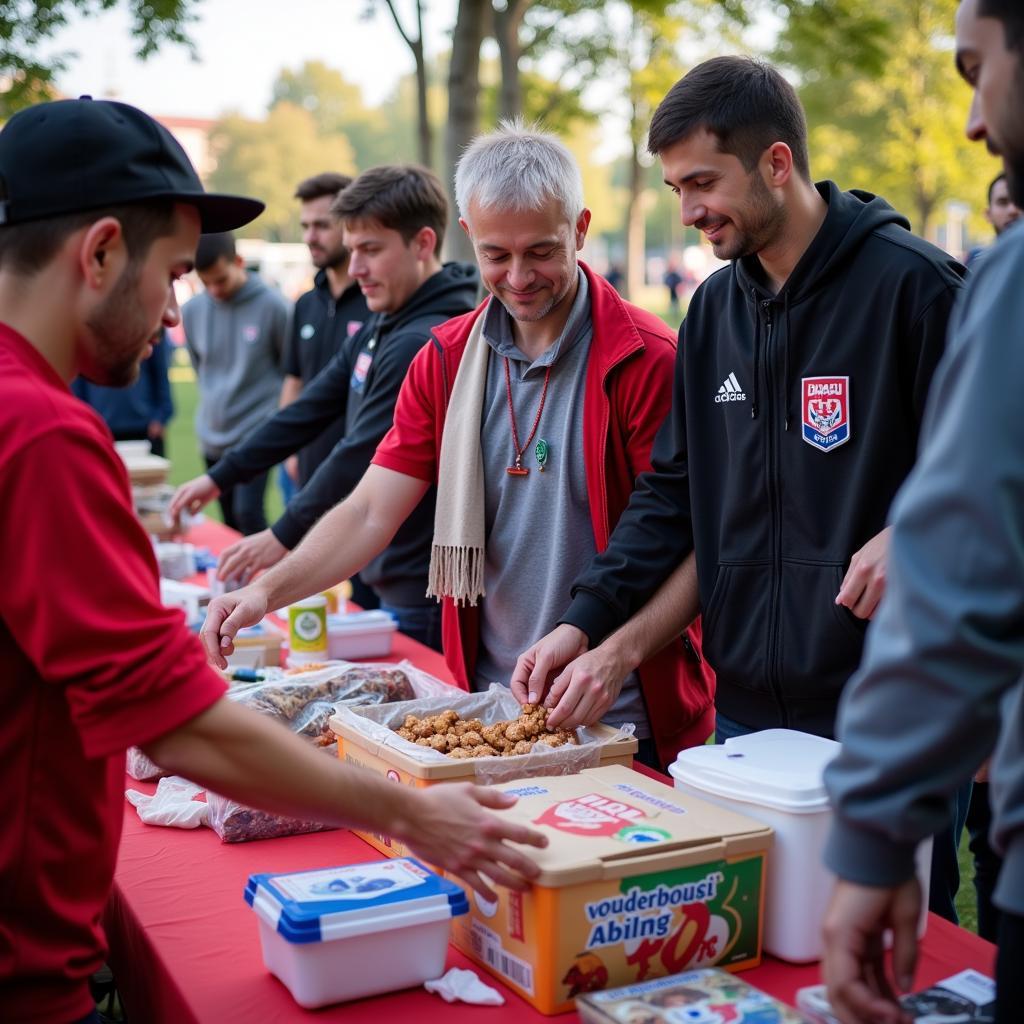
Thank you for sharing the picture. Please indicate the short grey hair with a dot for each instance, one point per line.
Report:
(518, 167)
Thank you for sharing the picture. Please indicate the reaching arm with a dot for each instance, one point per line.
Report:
(250, 758)
(291, 388)
(322, 402)
(340, 544)
(590, 684)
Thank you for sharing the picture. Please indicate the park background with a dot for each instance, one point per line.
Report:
(263, 94)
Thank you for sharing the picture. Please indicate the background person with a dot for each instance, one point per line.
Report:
(395, 218)
(324, 318)
(235, 334)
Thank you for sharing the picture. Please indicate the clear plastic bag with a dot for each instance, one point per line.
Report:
(305, 700)
(495, 705)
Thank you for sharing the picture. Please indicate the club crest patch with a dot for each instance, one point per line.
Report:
(825, 411)
(359, 373)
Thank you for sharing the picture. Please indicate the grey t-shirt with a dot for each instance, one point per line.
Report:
(539, 535)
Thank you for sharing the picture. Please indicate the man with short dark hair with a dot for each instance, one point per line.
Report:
(1000, 212)
(394, 220)
(328, 314)
(90, 661)
(235, 334)
(801, 377)
(949, 637)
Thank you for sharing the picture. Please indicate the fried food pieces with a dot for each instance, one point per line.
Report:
(450, 734)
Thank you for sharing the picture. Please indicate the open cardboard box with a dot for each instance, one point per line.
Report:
(366, 738)
(638, 881)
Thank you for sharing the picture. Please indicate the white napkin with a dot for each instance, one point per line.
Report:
(171, 804)
(465, 987)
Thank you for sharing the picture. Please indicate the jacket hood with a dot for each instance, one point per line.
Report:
(446, 294)
(254, 285)
(851, 217)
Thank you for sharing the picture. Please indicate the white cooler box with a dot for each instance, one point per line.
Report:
(335, 934)
(776, 776)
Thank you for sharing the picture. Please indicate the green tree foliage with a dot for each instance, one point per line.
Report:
(382, 135)
(26, 24)
(269, 158)
(898, 132)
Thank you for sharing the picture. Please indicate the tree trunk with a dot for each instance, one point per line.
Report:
(426, 136)
(463, 107)
(506, 35)
(635, 226)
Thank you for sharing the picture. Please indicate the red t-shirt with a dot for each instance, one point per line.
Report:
(90, 663)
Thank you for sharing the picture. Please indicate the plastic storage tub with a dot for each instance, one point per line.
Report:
(335, 934)
(776, 776)
(360, 635)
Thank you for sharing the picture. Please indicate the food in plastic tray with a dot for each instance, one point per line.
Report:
(495, 711)
(449, 733)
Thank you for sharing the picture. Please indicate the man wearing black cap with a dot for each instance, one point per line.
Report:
(100, 211)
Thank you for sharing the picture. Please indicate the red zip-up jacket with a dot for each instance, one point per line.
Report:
(628, 392)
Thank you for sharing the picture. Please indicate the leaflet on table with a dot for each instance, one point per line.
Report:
(964, 998)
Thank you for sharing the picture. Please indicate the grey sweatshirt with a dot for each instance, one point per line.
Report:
(236, 348)
(941, 678)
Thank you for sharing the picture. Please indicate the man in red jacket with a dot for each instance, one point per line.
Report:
(534, 415)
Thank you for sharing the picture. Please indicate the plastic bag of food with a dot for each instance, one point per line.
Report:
(305, 699)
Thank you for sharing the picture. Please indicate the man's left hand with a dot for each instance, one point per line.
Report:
(249, 555)
(864, 582)
(586, 690)
(853, 967)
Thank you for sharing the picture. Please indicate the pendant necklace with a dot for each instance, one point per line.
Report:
(517, 468)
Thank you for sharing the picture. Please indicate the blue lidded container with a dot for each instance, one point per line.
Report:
(333, 934)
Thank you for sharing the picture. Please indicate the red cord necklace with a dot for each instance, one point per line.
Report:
(517, 468)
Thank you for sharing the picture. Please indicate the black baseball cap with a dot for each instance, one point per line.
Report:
(71, 156)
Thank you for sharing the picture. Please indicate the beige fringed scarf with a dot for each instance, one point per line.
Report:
(457, 553)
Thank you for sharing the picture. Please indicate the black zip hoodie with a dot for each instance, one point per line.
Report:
(776, 508)
(359, 385)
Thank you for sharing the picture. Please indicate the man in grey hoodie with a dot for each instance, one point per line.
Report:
(235, 332)
(941, 680)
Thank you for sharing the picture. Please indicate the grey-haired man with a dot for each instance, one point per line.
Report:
(534, 415)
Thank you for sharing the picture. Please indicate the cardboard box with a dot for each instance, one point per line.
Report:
(362, 741)
(638, 881)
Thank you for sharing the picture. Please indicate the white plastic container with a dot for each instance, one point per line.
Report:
(776, 776)
(360, 635)
(343, 933)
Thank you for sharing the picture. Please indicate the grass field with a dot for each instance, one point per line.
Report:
(186, 462)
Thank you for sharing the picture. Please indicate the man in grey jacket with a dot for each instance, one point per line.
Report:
(235, 331)
(941, 680)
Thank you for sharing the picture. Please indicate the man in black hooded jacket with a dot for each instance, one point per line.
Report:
(801, 379)
(394, 219)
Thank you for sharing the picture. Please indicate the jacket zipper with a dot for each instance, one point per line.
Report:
(773, 660)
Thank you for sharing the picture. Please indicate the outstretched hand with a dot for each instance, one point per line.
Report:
(225, 616)
(247, 556)
(450, 827)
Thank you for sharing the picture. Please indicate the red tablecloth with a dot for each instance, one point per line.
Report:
(184, 945)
